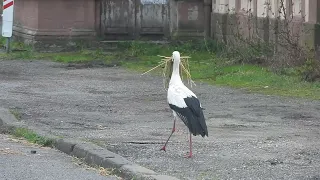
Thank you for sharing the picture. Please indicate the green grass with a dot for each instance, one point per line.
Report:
(258, 79)
(248, 77)
(32, 137)
(205, 66)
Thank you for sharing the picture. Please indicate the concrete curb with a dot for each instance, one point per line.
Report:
(8, 122)
(89, 152)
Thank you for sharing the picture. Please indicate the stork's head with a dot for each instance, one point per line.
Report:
(176, 56)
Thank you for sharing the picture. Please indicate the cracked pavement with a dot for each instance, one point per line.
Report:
(18, 163)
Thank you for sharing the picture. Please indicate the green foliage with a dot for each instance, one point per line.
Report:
(211, 65)
(310, 71)
(32, 137)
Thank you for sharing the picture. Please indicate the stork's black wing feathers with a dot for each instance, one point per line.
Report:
(192, 116)
(193, 104)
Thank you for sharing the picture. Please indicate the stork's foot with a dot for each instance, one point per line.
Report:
(163, 148)
(189, 155)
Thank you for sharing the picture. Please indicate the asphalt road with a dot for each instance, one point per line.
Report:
(18, 163)
(251, 136)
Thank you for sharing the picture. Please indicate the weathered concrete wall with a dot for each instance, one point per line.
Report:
(117, 18)
(152, 18)
(187, 18)
(37, 20)
(132, 19)
(259, 19)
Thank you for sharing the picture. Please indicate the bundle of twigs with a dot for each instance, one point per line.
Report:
(167, 70)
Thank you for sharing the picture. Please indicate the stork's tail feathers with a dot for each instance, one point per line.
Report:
(197, 128)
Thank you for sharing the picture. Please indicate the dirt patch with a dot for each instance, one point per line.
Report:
(92, 64)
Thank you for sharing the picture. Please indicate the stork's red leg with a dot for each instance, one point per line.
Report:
(190, 146)
(173, 130)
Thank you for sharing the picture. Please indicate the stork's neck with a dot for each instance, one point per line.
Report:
(175, 77)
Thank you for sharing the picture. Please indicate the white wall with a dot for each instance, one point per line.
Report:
(296, 9)
(246, 5)
(222, 6)
(263, 7)
(307, 15)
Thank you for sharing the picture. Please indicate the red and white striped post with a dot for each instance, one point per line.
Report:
(7, 21)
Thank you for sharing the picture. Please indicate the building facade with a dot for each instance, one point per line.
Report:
(41, 20)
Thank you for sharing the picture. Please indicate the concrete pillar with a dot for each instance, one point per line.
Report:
(238, 6)
(207, 18)
(311, 34)
(98, 4)
(255, 8)
(137, 14)
(318, 12)
(312, 14)
(288, 8)
(303, 9)
(173, 17)
(317, 31)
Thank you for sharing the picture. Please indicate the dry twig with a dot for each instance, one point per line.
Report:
(167, 70)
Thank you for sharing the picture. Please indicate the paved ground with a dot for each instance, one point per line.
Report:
(250, 136)
(18, 163)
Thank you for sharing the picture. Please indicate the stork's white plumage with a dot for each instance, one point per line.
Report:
(184, 104)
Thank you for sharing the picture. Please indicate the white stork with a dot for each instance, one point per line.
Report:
(184, 105)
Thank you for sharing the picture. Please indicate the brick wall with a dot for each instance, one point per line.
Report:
(37, 20)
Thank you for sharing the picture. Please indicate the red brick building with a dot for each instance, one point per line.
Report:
(110, 19)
